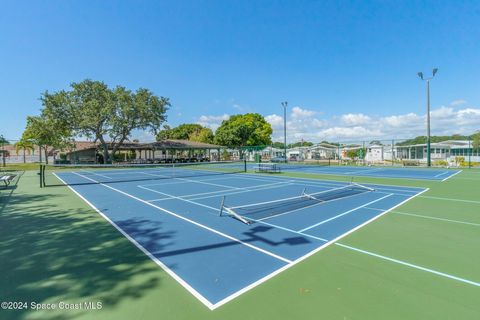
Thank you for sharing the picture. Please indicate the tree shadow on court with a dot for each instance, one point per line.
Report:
(253, 236)
(52, 249)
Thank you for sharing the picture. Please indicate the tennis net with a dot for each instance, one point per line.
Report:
(80, 174)
(265, 210)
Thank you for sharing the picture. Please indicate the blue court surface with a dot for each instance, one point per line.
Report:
(176, 222)
(437, 174)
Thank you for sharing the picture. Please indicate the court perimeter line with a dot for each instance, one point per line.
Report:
(452, 175)
(450, 199)
(430, 217)
(344, 213)
(182, 282)
(440, 174)
(238, 293)
(191, 221)
(446, 275)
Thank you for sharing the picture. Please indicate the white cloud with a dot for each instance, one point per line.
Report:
(456, 103)
(299, 113)
(212, 122)
(307, 124)
(350, 132)
(409, 119)
(354, 119)
(276, 121)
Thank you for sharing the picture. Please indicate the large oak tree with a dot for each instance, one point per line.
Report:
(250, 129)
(94, 110)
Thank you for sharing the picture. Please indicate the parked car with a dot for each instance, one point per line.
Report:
(278, 159)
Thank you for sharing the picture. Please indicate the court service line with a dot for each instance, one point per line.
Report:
(176, 277)
(344, 213)
(429, 217)
(190, 221)
(442, 274)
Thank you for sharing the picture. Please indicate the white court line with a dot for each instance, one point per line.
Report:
(238, 293)
(452, 175)
(441, 174)
(190, 221)
(175, 181)
(429, 217)
(217, 209)
(279, 185)
(451, 199)
(329, 183)
(318, 203)
(442, 274)
(342, 214)
(196, 181)
(360, 171)
(91, 172)
(226, 192)
(366, 176)
(284, 199)
(323, 182)
(182, 282)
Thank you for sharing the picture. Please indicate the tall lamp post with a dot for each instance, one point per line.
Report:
(284, 104)
(420, 74)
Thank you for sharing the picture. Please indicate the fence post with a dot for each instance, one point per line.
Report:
(393, 149)
(470, 151)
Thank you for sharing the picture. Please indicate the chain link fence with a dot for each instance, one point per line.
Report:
(372, 152)
(368, 152)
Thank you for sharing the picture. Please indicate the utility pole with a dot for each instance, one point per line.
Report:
(420, 74)
(284, 104)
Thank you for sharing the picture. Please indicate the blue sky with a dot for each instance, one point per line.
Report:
(347, 68)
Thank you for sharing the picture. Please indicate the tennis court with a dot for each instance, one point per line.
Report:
(439, 174)
(177, 221)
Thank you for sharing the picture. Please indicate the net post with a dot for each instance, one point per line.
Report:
(245, 165)
(221, 206)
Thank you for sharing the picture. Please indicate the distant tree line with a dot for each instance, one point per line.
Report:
(475, 138)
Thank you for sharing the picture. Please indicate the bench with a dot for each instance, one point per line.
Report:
(7, 178)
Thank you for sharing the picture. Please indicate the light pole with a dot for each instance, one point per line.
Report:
(420, 74)
(284, 104)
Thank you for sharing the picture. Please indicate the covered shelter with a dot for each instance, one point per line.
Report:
(164, 151)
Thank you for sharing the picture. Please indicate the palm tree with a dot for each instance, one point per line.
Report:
(24, 145)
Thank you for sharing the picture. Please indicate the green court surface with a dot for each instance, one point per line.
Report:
(419, 261)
